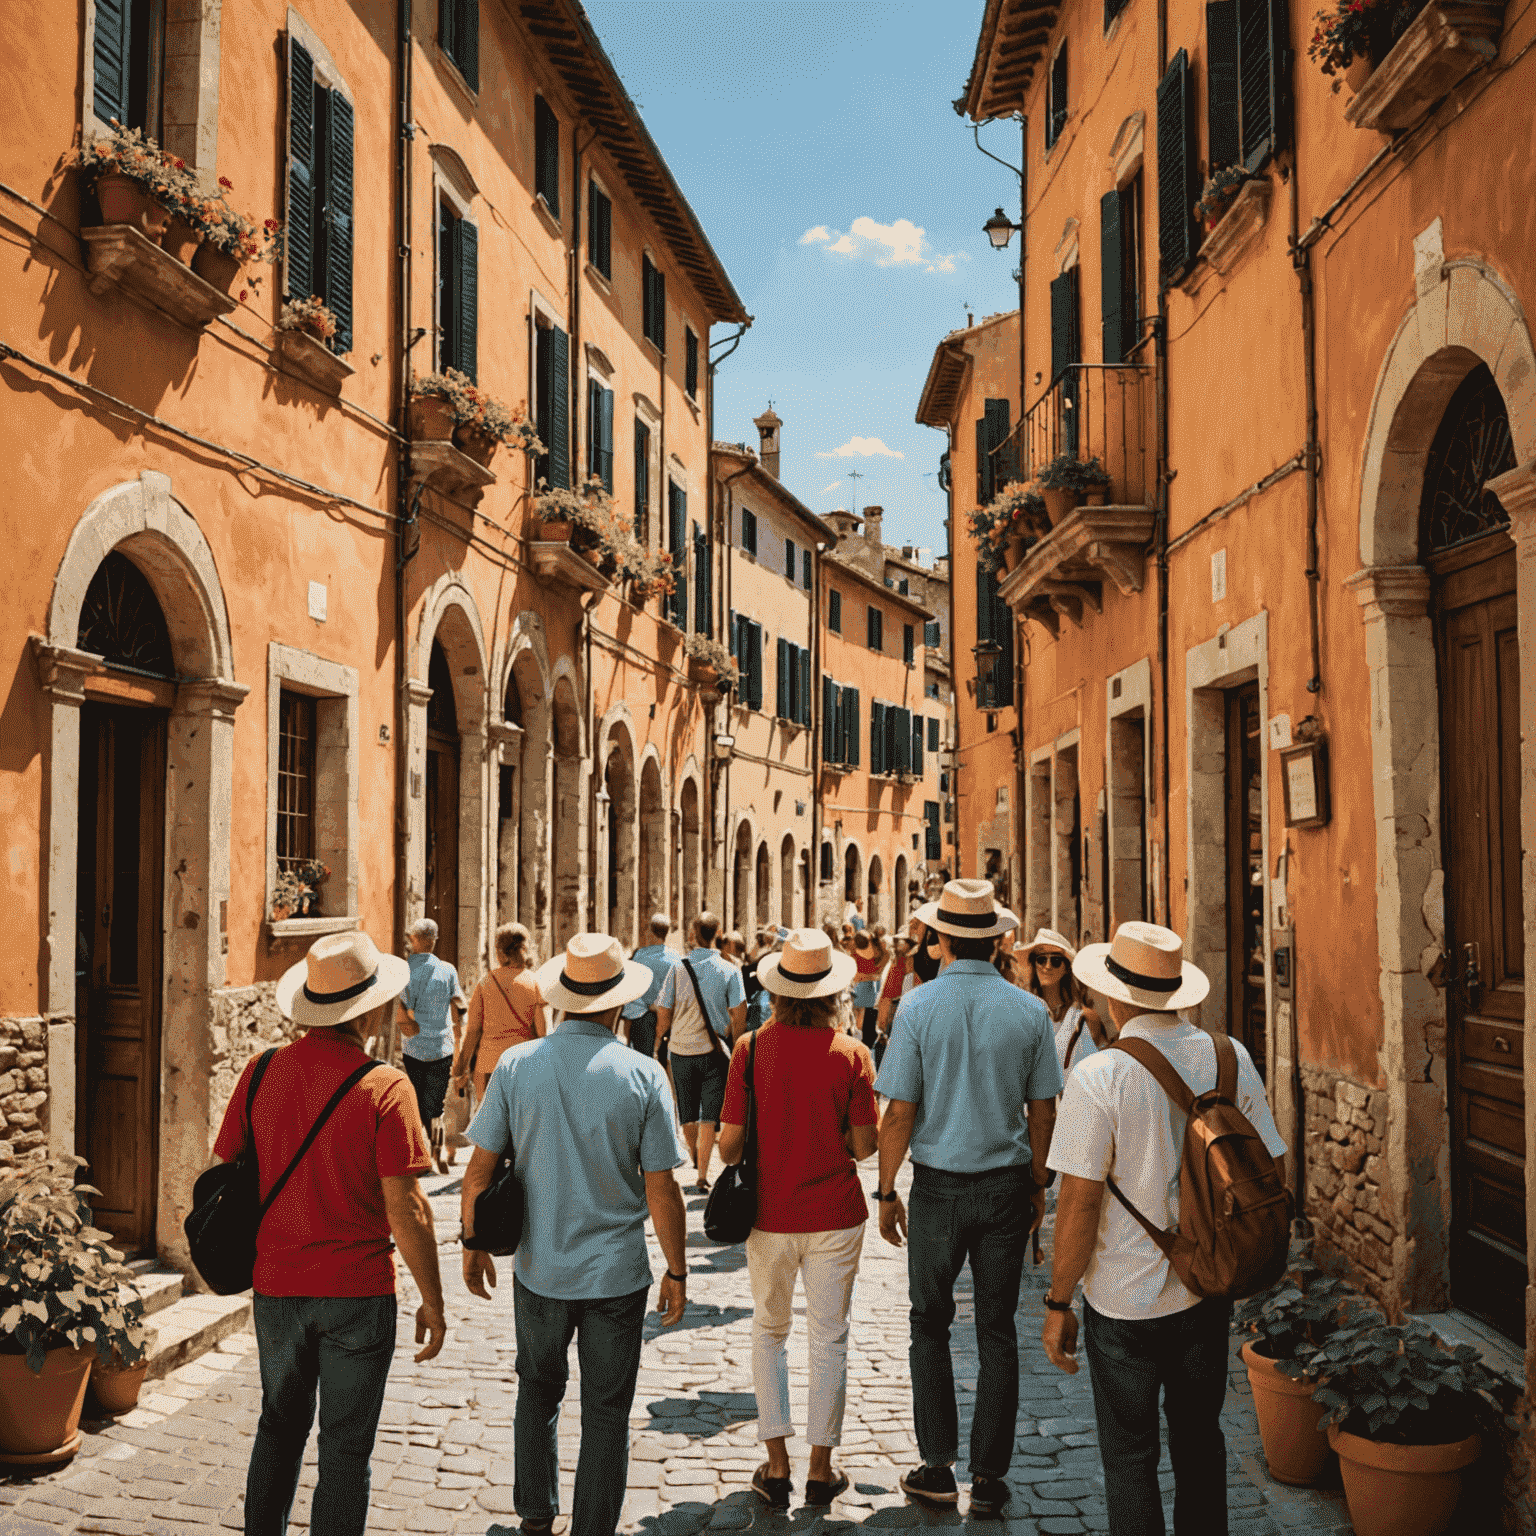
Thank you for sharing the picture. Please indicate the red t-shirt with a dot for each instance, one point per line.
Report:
(327, 1233)
(809, 1084)
(900, 966)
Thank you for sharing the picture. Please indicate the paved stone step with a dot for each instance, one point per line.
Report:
(192, 1326)
(157, 1286)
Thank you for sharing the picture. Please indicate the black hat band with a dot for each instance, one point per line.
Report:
(1136, 979)
(966, 919)
(589, 988)
(342, 996)
(807, 977)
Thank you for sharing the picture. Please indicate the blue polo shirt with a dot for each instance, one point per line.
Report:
(720, 987)
(970, 1050)
(433, 986)
(658, 959)
(587, 1118)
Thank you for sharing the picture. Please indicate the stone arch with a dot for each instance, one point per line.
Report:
(653, 837)
(618, 850)
(899, 896)
(1464, 315)
(142, 520)
(763, 872)
(525, 749)
(743, 874)
(874, 905)
(787, 881)
(688, 888)
(853, 873)
(451, 621)
(568, 826)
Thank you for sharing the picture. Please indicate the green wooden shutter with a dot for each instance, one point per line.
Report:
(851, 737)
(933, 734)
(447, 30)
(917, 745)
(467, 295)
(805, 686)
(908, 644)
(466, 41)
(340, 142)
(1261, 51)
(690, 363)
(599, 229)
(828, 720)
(299, 265)
(1111, 274)
(877, 737)
(677, 542)
(835, 611)
(559, 439)
(702, 585)
(642, 478)
(110, 61)
(1064, 348)
(605, 422)
(546, 154)
(901, 732)
(754, 664)
(781, 695)
(1223, 123)
(991, 432)
(1178, 171)
(1002, 626)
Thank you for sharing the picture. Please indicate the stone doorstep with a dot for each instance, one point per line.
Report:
(157, 1286)
(192, 1326)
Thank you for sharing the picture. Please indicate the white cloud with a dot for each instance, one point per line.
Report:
(828, 488)
(900, 243)
(862, 448)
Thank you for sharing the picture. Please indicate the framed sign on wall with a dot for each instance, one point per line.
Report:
(1304, 773)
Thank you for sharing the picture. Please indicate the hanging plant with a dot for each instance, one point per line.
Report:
(1358, 29)
(710, 654)
(1221, 189)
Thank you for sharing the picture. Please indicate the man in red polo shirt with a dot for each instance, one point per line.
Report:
(325, 1273)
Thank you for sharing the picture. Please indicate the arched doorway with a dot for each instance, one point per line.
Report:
(874, 912)
(523, 803)
(741, 877)
(690, 854)
(620, 852)
(653, 843)
(899, 895)
(853, 869)
(440, 893)
(764, 886)
(807, 889)
(787, 881)
(568, 837)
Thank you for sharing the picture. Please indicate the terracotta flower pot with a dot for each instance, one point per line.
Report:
(553, 530)
(1013, 552)
(181, 241)
(478, 444)
(1401, 1490)
(1096, 497)
(116, 1387)
(702, 672)
(431, 419)
(1357, 72)
(126, 202)
(1295, 1448)
(1058, 504)
(216, 268)
(40, 1411)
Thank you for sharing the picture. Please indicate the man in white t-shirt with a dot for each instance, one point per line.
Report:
(1146, 1334)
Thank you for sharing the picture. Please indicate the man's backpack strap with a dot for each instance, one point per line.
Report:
(1162, 1069)
(325, 1114)
(1164, 1240)
(1226, 1068)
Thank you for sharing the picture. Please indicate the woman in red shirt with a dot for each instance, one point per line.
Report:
(815, 1119)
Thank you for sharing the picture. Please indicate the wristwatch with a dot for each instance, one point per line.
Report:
(1057, 1306)
(681, 1279)
(882, 1199)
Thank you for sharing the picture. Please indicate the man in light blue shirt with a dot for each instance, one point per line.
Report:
(430, 996)
(972, 1078)
(591, 1131)
(699, 1016)
(640, 1015)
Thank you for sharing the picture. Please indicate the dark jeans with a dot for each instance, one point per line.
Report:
(343, 1346)
(983, 1217)
(430, 1080)
(607, 1335)
(869, 1026)
(1186, 1356)
(700, 1084)
(642, 1033)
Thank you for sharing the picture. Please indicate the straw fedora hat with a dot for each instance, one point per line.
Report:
(592, 976)
(967, 909)
(342, 977)
(1145, 965)
(1047, 938)
(807, 966)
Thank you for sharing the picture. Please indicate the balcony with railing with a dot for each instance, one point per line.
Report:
(1099, 412)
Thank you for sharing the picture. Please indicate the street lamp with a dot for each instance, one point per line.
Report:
(986, 653)
(1000, 229)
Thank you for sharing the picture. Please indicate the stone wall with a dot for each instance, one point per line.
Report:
(1346, 1174)
(245, 1022)
(23, 1088)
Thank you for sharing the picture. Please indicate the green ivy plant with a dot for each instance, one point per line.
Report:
(1398, 1383)
(62, 1284)
(1067, 472)
(1299, 1312)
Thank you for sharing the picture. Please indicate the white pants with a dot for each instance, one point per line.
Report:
(827, 1263)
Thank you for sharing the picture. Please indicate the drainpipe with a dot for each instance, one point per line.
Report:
(1020, 756)
(1160, 532)
(813, 874)
(1301, 260)
(573, 314)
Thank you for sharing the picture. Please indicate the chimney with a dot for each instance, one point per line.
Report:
(844, 523)
(768, 425)
(872, 520)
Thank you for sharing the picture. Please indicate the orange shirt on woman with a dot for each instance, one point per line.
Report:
(503, 1006)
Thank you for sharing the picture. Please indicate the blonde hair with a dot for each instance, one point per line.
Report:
(805, 1012)
(512, 944)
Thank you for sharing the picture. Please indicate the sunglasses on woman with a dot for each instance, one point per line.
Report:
(1049, 960)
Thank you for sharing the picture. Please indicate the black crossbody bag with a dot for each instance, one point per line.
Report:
(227, 1207)
(730, 1213)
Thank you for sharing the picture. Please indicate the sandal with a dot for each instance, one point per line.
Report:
(774, 1491)
(823, 1493)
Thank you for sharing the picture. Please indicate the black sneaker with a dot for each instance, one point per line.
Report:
(934, 1485)
(988, 1495)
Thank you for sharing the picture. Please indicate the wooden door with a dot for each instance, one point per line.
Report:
(442, 889)
(1480, 747)
(120, 942)
(1247, 1015)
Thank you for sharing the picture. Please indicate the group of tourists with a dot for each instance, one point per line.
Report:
(997, 1078)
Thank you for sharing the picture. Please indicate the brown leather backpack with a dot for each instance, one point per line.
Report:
(1234, 1210)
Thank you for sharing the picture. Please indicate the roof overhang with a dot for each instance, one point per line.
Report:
(750, 468)
(566, 35)
(909, 604)
(1012, 43)
(944, 385)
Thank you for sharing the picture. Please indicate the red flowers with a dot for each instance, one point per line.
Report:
(226, 183)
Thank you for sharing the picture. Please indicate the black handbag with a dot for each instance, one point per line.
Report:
(227, 1207)
(499, 1209)
(730, 1213)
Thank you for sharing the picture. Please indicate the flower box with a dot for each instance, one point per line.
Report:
(558, 563)
(1063, 576)
(118, 256)
(1234, 232)
(1444, 43)
(445, 469)
(308, 358)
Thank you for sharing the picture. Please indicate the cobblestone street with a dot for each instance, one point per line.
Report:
(443, 1463)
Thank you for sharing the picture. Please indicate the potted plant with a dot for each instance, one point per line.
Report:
(482, 424)
(135, 181)
(430, 416)
(1067, 481)
(1353, 36)
(66, 1298)
(1404, 1414)
(587, 517)
(710, 664)
(1283, 1327)
(232, 242)
(309, 317)
(649, 572)
(287, 895)
(1221, 189)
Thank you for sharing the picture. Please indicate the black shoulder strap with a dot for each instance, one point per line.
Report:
(262, 1063)
(750, 1150)
(709, 1023)
(325, 1114)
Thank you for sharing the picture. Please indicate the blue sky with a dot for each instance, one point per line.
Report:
(817, 144)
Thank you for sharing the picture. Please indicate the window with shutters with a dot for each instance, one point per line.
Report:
(1263, 96)
(458, 290)
(546, 155)
(599, 229)
(749, 530)
(931, 636)
(850, 710)
(552, 401)
(1056, 98)
(933, 849)
(875, 629)
(653, 305)
(789, 558)
(933, 733)
(600, 432)
(1223, 123)
(677, 542)
(993, 469)
(703, 584)
(805, 569)
(930, 690)
(878, 766)
(747, 648)
(916, 754)
(994, 625)
(295, 780)
(908, 644)
(835, 611)
(793, 700)
(690, 363)
(1119, 266)
(642, 482)
(128, 64)
(1178, 172)
(318, 203)
(458, 35)
(1066, 352)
